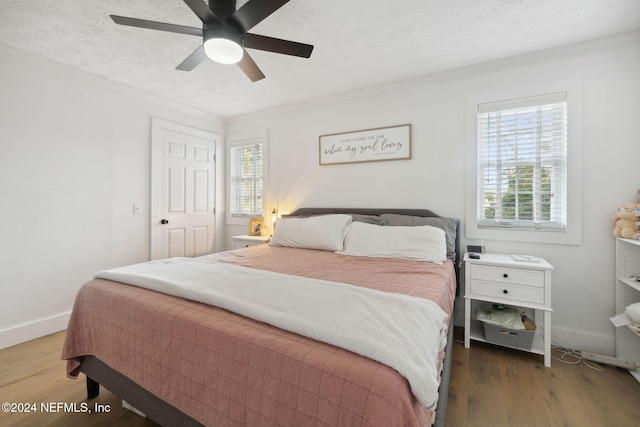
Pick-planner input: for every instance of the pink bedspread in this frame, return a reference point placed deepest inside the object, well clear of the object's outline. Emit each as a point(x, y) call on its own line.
point(224, 369)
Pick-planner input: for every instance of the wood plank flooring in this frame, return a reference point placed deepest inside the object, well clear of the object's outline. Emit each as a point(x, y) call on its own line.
point(490, 387)
point(34, 373)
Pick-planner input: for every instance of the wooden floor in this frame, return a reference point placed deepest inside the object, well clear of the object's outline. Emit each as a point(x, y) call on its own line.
point(490, 387)
point(493, 386)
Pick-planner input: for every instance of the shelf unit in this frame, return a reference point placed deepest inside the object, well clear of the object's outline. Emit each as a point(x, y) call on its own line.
point(627, 292)
point(537, 347)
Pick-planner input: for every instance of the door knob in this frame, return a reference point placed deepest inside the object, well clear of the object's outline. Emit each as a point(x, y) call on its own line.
point(164, 221)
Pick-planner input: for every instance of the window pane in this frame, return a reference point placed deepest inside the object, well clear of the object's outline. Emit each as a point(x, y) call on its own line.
point(246, 186)
point(522, 159)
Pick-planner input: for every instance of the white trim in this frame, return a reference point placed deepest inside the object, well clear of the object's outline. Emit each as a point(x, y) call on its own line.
point(573, 234)
point(595, 45)
point(583, 340)
point(87, 77)
point(37, 329)
point(244, 139)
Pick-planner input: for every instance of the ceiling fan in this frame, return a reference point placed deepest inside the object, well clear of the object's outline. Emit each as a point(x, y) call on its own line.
point(225, 33)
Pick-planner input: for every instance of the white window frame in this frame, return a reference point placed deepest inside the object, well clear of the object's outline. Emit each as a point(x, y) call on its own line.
point(238, 141)
point(572, 233)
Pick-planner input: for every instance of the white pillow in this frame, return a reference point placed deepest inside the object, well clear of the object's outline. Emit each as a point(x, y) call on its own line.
point(420, 243)
point(325, 232)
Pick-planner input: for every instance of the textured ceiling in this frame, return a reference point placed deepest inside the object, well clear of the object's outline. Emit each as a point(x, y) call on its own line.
point(358, 43)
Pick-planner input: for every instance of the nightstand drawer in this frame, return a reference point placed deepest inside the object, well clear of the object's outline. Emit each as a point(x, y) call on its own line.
point(239, 242)
point(529, 294)
point(507, 275)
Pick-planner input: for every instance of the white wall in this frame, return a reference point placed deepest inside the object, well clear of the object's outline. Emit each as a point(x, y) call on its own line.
point(74, 158)
point(583, 281)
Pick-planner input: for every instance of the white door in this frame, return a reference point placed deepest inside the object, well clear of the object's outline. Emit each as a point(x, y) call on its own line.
point(182, 190)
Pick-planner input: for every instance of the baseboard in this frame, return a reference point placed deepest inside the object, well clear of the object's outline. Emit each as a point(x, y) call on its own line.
point(583, 340)
point(29, 331)
point(569, 338)
point(563, 337)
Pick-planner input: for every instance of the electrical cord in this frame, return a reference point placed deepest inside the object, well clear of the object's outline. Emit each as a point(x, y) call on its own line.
point(576, 358)
point(568, 356)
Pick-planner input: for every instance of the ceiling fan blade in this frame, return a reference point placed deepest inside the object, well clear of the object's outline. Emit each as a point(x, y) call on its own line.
point(250, 68)
point(253, 12)
point(201, 9)
point(153, 25)
point(193, 60)
point(270, 44)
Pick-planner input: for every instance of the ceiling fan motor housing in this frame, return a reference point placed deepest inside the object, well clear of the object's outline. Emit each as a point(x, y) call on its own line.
point(214, 31)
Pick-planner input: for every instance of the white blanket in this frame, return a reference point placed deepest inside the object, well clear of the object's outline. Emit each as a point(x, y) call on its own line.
point(400, 331)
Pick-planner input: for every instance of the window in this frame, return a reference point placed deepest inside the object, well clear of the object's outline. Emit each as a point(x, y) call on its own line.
point(523, 181)
point(246, 177)
point(522, 163)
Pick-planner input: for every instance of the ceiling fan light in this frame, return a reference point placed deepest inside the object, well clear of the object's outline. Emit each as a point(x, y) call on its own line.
point(223, 50)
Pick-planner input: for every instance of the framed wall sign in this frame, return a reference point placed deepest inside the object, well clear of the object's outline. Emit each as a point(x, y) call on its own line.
point(368, 145)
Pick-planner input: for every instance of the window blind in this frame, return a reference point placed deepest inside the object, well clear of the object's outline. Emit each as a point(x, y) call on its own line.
point(246, 175)
point(522, 163)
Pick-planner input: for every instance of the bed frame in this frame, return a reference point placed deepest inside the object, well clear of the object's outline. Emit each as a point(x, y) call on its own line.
point(98, 372)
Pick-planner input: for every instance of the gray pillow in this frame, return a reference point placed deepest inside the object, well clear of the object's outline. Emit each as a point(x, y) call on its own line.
point(368, 219)
point(449, 225)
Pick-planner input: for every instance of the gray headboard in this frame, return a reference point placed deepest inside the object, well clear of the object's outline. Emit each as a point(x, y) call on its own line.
point(303, 212)
point(363, 211)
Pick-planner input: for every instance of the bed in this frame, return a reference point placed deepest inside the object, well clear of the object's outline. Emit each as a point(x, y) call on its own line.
point(182, 361)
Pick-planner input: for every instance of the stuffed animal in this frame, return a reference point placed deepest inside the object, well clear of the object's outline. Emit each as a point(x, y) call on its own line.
point(627, 221)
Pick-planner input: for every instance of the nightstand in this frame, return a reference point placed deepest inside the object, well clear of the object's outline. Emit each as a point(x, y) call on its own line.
point(500, 279)
point(245, 241)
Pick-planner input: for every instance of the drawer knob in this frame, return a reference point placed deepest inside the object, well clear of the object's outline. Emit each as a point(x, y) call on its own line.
point(505, 291)
point(505, 275)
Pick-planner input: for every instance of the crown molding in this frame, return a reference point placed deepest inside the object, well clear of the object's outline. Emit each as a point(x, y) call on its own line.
point(594, 45)
point(40, 63)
